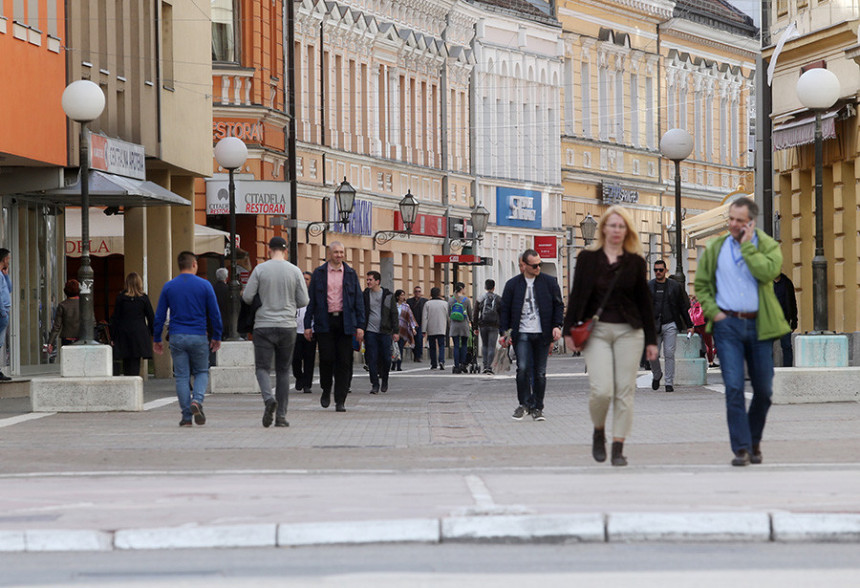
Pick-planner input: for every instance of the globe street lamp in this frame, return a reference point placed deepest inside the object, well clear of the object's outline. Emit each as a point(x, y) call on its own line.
point(83, 102)
point(231, 153)
point(818, 89)
point(677, 144)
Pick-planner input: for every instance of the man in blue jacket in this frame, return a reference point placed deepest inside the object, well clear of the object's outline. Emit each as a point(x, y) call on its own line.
point(5, 300)
point(192, 305)
point(533, 310)
point(336, 311)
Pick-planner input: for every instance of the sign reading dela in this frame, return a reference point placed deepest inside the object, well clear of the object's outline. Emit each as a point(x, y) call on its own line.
point(518, 208)
point(252, 197)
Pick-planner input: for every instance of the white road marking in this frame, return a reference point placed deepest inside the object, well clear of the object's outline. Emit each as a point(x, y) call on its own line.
point(24, 418)
point(158, 403)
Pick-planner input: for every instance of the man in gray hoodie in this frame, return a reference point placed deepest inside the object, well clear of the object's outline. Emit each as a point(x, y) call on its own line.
point(282, 291)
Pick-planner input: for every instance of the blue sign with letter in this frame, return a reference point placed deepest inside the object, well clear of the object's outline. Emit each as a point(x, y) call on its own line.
point(518, 208)
point(361, 221)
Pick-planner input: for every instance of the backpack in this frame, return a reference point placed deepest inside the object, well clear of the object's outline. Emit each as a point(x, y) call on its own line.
point(490, 311)
point(458, 311)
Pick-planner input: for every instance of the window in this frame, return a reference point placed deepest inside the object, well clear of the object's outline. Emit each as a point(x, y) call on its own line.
point(33, 13)
point(619, 106)
point(709, 127)
point(167, 44)
point(650, 129)
point(697, 123)
point(724, 131)
point(586, 98)
point(671, 105)
point(734, 147)
point(634, 110)
point(223, 31)
point(682, 117)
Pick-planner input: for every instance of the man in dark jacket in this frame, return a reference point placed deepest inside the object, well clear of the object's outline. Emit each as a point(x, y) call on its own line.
point(487, 319)
point(336, 311)
point(416, 304)
point(671, 316)
point(784, 290)
point(533, 310)
point(381, 327)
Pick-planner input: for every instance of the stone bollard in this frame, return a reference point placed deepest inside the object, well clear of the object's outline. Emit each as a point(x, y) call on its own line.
point(234, 372)
point(690, 368)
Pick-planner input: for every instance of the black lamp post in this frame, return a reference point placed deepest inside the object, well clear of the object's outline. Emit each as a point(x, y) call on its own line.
point(480, 217)
point(344, 195)
point(83, 102)
point(231, 154)
point(677, 144)
point(818, 89)
point(588, 227)
point(408, 214)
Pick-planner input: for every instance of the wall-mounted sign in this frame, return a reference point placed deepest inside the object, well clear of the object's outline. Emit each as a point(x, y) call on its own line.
point(117, 157)
point(546, 247)
point(252, 197)
point(248, 131)
point(518, 208)
point(459, 228)
point(615, 194)
point(432, 225)
point(361, 221)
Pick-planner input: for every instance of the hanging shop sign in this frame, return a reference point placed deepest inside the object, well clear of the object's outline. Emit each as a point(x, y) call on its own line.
point(117, 157)
point(252, 197)
point(545, 245)
point(518, 208)
point(431, 225)
point(615, 194)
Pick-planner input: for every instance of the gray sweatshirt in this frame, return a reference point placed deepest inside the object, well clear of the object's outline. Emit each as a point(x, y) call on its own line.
point(282, 290)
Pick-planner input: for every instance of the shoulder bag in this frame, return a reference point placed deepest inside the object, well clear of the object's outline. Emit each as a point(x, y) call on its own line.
point(581, 331)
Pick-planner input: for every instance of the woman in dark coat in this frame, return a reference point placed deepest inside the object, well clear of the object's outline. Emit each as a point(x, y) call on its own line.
point(131, 326)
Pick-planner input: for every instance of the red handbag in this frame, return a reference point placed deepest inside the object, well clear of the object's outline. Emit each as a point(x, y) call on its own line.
point(581, 331)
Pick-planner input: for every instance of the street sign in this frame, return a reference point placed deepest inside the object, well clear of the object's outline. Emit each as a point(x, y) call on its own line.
point(463, 259)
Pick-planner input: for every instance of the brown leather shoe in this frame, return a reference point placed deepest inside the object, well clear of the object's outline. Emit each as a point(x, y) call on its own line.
point(756, 454)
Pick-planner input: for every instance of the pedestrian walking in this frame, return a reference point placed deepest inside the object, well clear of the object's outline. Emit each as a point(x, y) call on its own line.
point(192, 305)
point(282, 291)
point(435, 321)
point(698, 317)
point(610, 281)
point(784, 290)
point(533, 310)
point(304, 353)
point(671, 316)
point(460, 314)
point(734, 283)
point(67, 317)
point(336, 311)
point(131, 325)
point(487, 318)
point(407, 327)
point(5, 301)
point(222, 292)
point(416, 305)
point(382, 328)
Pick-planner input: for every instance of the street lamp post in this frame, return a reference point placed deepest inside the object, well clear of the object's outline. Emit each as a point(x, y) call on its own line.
point(588, 227)
point(231, 153)
point(677, 144)
point(408, 214)
point(83, 102)
point(344, 195)
point(818, 89)
point(479, 218)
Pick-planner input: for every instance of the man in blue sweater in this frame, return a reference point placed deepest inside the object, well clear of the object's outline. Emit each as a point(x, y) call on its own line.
point(193, 307)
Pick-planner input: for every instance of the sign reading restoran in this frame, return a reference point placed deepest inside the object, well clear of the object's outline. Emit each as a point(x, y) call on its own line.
point(252, 197)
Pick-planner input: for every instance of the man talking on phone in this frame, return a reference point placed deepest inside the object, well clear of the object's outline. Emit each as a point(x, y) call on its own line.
point(734, 284)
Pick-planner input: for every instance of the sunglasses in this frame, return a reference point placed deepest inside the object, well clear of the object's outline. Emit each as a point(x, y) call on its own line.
point(535, 265)
point(659, 269)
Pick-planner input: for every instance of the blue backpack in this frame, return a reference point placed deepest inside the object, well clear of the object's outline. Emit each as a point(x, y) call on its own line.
point(458, 311)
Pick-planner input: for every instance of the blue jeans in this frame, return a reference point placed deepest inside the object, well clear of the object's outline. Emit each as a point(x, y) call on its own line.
point(737, 341)
point(418, 350)
point(460, 344)
point(190, 357)
point(377, 354)
point(532, 354)
point(436, 344)
point(787, 351)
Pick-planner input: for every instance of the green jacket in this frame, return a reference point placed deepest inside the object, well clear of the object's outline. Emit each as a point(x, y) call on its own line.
point(764, 263)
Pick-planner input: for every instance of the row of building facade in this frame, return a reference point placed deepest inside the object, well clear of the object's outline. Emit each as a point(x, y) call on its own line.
point(542, 112)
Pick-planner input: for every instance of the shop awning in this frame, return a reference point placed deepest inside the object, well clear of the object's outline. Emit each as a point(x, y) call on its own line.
point(711, 222)
point(801, 131)
point(106, 235)
point(112, 190)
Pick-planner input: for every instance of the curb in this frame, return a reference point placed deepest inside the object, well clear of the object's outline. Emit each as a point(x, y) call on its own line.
point(627, 527)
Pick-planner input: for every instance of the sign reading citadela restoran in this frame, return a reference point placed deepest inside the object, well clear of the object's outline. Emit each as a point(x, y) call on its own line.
point(252, 197)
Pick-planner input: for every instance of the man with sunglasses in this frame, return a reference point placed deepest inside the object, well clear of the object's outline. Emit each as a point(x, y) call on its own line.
point(533, 310)
point(671, 315)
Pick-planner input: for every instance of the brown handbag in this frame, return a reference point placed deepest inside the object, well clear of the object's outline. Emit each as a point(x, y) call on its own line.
point(581, 331)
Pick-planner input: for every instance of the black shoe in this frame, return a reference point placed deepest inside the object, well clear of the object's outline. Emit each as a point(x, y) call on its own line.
point(756, 454)
point(281, 422)
point(184, 423)
point(325, 399)
point(742, 458)
point(537, 414)
point(670, 388)
point(456, 370)
point(655, 383)
point(598, 445)
point(269, 413)
point(520, 412)
point(4, 377)
point(374, 390)
point(339, 407)
point(384, 388)
point(197, 411)
point(617, 458)
point(307, 390)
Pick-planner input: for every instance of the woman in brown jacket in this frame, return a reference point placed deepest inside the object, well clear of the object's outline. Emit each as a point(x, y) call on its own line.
point(67, 318)
point(613, 351)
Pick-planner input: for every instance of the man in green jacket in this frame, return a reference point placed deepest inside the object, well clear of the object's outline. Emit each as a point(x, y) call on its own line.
point(734, 284)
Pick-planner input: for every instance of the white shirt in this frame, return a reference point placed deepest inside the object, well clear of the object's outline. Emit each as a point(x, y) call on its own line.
point(530, 317)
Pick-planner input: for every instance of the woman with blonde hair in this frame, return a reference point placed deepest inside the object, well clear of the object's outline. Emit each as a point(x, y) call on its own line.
point(611, 282)
point(131, 326)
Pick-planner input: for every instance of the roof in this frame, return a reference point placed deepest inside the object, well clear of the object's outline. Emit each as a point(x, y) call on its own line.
point(532, 9)
point(719, 14)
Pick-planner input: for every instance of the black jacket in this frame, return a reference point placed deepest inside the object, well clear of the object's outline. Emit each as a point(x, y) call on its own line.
point(547, 296)
point(784, 290)
point(389, 323)
point(678, 304)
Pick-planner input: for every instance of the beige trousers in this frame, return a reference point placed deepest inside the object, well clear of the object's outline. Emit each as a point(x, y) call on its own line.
point(612, 356)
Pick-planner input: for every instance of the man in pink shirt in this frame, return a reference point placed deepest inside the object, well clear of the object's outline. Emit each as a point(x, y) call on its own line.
point(336, 311)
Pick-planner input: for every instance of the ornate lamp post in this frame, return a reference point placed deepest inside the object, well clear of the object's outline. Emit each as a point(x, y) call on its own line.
point(588, 227)
point(231, 154)
point(344, 195)
point(479, 217)
point(83, 102)
point(818, 89)
point(677, 144)
point(408, 213)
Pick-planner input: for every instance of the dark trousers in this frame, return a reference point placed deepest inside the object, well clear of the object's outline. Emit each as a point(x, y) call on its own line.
point(377, 355)
point(304, 358)
point(489, 335)
point(335, 359)
point(437, 349)
point(532, 355)
point(787, 351)
point(274, 343)
point(418, 350)
point(131, 366)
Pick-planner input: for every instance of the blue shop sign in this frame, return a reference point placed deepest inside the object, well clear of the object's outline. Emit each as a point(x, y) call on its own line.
point(518, 208)
point(361, 221)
